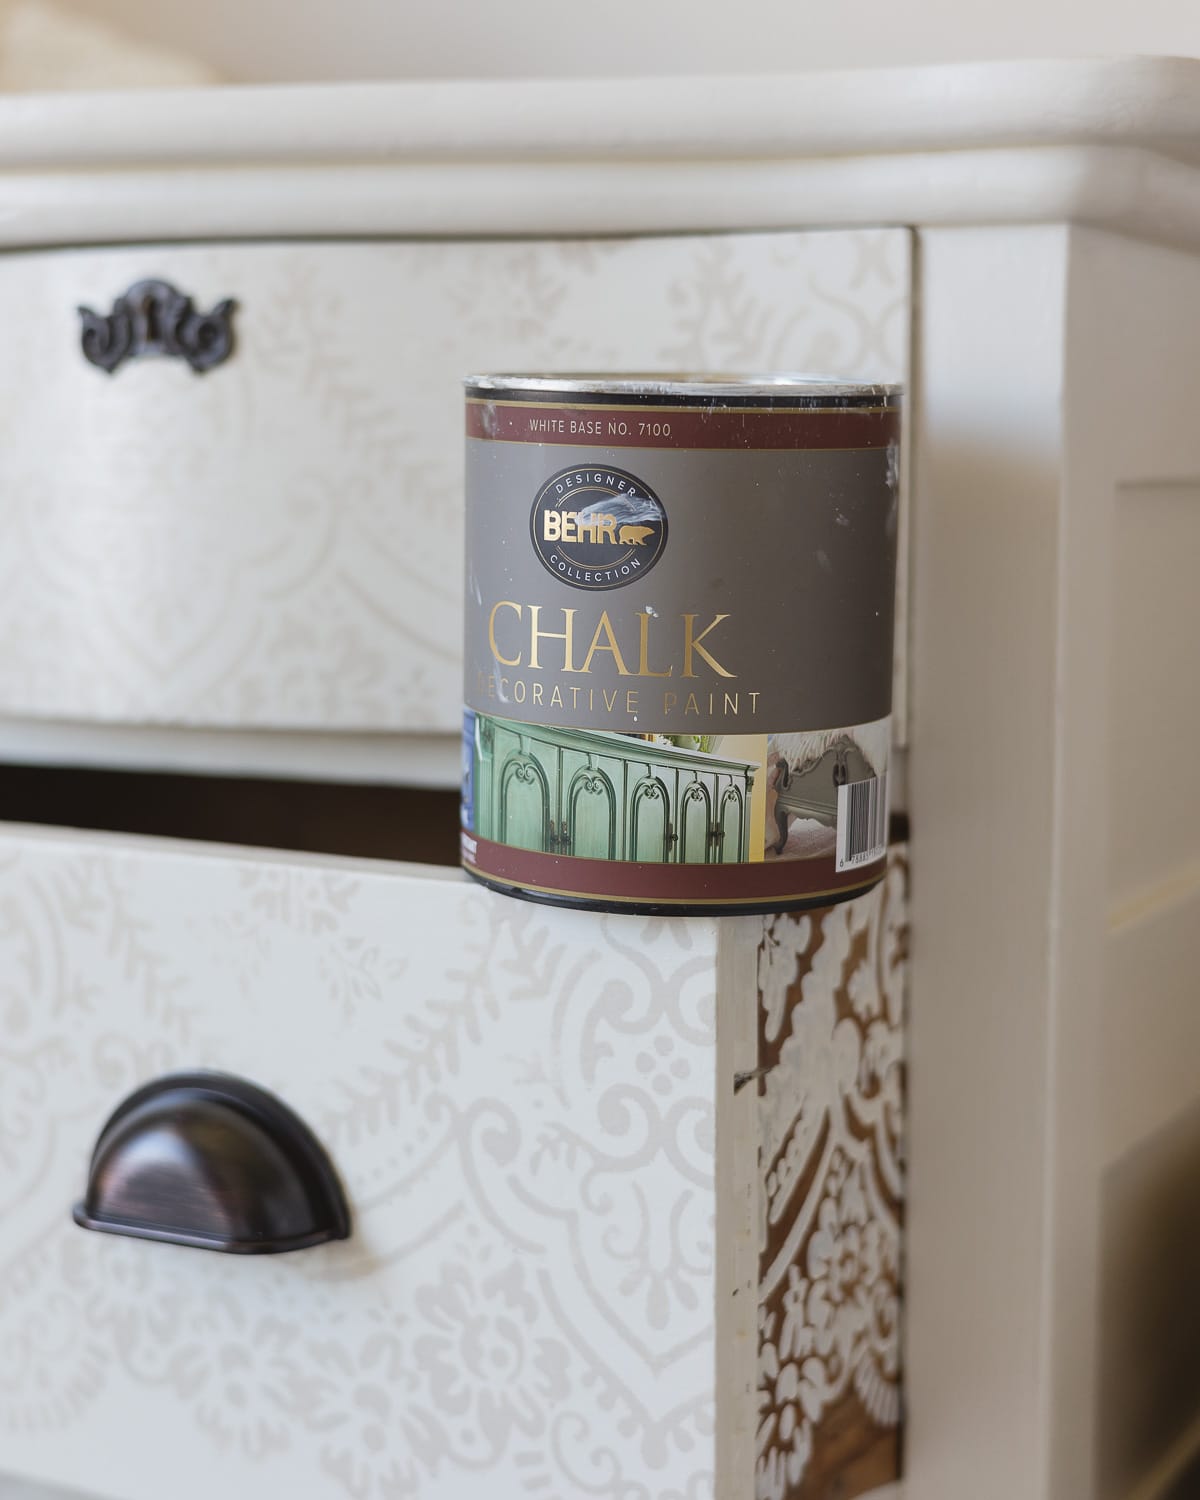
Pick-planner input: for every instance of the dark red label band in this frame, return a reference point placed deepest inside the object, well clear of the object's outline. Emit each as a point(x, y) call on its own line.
point(762, 883)
point(683, 427)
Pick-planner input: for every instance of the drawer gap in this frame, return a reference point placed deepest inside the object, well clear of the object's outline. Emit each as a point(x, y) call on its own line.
point(375, 822)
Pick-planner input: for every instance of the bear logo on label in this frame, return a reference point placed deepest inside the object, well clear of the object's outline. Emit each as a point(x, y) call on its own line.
point(597, 527)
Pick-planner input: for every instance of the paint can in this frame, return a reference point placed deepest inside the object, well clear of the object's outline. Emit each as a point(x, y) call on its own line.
point(678, 643)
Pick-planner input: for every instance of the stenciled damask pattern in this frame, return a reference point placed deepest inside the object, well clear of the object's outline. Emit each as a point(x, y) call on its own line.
point(523, 1106)
point(279, 543)
point(831, 1138)
point(521, 1103)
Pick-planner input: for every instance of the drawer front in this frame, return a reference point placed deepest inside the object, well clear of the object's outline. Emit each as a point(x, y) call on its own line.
point(276, 543)
point(618, 1230)
point(521, 1104)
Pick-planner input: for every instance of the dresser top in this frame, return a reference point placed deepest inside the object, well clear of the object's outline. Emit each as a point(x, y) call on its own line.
point(1115, 143)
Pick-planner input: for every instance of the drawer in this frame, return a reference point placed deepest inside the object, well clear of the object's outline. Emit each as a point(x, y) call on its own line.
point(619, 1226)
point(275, 544)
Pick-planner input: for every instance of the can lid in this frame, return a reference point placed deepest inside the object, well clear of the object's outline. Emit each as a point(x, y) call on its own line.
point(687, 388)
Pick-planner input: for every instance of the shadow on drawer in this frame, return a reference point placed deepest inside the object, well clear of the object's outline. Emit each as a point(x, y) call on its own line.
point(1149, 1392)
point(379, 822)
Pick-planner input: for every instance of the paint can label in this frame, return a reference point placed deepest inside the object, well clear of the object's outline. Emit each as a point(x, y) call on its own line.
point(678, 645)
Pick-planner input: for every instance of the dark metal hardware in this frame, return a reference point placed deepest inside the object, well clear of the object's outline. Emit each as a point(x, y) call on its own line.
point(154, 318)
point(212, 1161)
point(740, 1080)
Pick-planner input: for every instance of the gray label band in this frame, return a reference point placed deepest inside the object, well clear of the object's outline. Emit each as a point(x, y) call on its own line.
point(770, 604)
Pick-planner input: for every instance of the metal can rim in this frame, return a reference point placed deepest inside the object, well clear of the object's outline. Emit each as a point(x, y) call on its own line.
point(687, 389)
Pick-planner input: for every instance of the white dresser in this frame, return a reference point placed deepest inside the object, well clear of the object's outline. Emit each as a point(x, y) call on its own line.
point(631, 1211)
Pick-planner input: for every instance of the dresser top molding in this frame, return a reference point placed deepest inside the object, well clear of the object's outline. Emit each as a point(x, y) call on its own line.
point(1109, 143)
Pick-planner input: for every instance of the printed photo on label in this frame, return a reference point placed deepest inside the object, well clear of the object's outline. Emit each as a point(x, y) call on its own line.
point(805, 774)
point(682, 799)
point(595, 794)
point(807, 806)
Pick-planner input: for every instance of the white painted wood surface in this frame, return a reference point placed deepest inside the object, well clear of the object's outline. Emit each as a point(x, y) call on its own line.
point(1126, 189)
point(1151, 102)
point(564, 1231)
point(433, 760)
point(1130, 931)
point(526, 1106)
point(985, 564)
point(1055, 1054)
point(1106, 143)
point(26, 1489)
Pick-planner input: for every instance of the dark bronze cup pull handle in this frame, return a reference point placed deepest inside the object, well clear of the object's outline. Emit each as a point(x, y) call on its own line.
point(154, 318)
point(209, 1160)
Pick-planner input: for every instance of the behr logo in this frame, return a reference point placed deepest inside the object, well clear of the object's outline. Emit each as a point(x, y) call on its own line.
point(597, 528)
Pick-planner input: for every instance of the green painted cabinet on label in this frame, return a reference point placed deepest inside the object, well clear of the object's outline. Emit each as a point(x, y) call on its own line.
point(605, 796)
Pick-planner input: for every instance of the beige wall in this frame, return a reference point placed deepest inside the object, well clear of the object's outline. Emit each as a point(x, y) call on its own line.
point(309, 39)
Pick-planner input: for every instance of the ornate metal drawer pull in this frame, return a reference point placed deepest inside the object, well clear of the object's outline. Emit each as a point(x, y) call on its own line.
point(212, 1161)
point(153, 318)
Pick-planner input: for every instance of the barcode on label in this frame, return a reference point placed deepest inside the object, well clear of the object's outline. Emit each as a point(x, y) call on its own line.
point(862, 822)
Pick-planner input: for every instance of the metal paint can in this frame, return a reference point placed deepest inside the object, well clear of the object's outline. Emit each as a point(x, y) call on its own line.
point(678, 646)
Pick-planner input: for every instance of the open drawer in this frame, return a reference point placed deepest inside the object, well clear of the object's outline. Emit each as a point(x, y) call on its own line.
point(618, 1227)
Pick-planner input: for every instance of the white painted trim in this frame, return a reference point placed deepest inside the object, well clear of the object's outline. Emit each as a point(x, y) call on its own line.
point(1122, 188)
point(987, 480)
point(1153, 102)
point(92, 840)
point(1115, 145)
point(423, 760)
